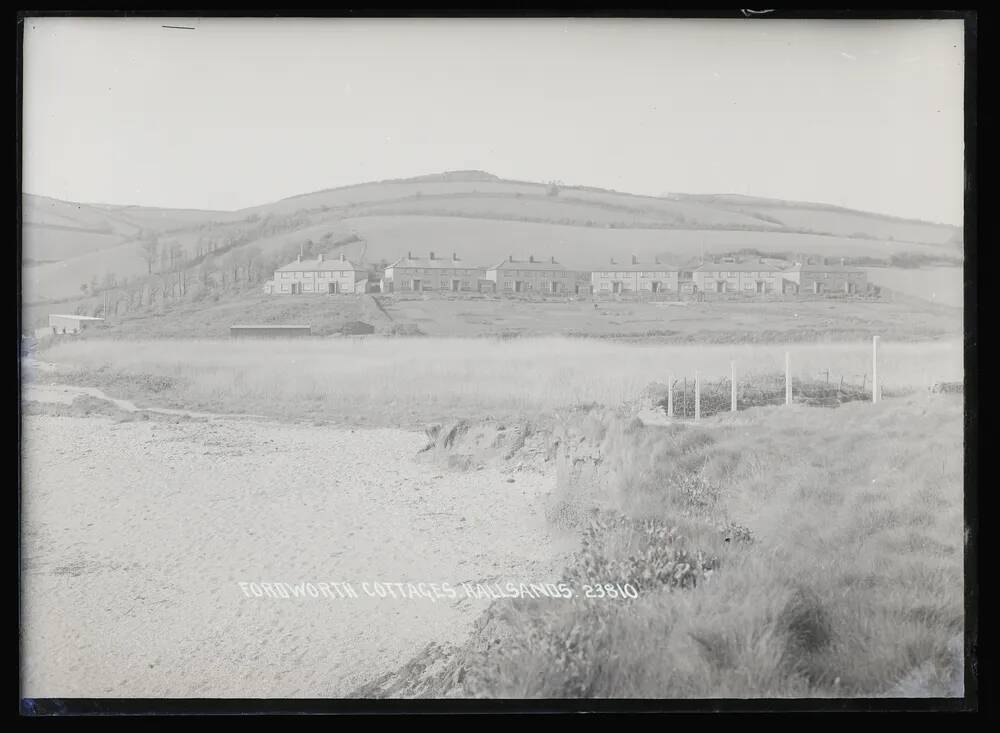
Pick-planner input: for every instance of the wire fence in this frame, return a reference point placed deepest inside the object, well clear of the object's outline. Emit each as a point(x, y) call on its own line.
point(692, 396)
point(715, 396)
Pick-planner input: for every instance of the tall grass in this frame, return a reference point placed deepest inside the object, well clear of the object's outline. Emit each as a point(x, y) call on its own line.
point(459, 377)
point(851, 582)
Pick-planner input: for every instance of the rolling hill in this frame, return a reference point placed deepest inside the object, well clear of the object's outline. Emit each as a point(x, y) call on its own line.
point(481, 217)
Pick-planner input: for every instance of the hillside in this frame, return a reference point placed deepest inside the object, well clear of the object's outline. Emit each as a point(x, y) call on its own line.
point(480, 216)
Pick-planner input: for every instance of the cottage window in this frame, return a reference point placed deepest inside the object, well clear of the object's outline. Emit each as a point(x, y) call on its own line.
point(508, 284)
point(286, 274)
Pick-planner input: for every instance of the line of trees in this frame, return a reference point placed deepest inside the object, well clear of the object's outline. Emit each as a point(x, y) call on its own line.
point(226, 265)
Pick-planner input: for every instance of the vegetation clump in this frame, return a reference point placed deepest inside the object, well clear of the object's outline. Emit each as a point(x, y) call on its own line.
point(657, 557)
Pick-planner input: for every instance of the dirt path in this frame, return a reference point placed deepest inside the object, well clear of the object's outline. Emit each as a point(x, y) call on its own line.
point(136, 535)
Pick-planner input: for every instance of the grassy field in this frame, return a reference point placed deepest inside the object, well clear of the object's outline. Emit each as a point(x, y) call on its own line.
point(487, 241)
point(707, 322)
point(404, 381)
point(900, 319)
point(944, 285)
point(210, 318)
point(781, 554)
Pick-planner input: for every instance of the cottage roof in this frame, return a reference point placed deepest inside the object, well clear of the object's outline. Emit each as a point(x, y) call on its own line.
point(541, 266)
point(320, 265)
point(800, 266)
point(438, 263)
point(637, 267)
point(736, 267)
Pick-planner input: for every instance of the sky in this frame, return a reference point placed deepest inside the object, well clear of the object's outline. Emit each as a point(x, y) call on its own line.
point(241, 112)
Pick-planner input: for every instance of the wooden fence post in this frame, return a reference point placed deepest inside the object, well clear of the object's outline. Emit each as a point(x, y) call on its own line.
point(875, 384)
point(697, 396)
point(670, 396)
point(732, 386)
point(788, 378)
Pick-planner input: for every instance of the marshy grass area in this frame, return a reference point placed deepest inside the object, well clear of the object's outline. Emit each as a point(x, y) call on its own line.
point(776, 554)
point(408, 382)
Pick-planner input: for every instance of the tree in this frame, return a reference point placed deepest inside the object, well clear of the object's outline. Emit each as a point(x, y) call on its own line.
point(251, 256)
point(553, 189)
point(231, 264)
point(176, 254)
point(205, 271)
point(150, 248)
point(83, 287)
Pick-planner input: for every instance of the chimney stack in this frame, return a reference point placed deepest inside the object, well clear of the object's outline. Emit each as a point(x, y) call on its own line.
point(319, 257)
point(635, 260)
point(552, 260)
point(656, 260)
point(510, 258)
point(612, 260)
point(298, 257)
point(454, 257)
point(531, 258)
point(842, 262)
point(432, 255)
point(409, 255)
point(342, 258)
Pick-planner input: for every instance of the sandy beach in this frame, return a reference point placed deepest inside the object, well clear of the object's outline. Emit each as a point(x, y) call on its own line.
point(136, 536)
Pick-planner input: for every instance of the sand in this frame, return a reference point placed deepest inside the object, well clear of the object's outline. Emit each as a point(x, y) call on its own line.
point(136, 535)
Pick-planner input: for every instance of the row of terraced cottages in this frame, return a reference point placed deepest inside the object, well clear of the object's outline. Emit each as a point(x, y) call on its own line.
point(417, 274)
point(547, 277)
point(729, 275)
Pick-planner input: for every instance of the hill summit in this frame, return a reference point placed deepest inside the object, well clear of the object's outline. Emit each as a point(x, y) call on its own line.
point(452, 177)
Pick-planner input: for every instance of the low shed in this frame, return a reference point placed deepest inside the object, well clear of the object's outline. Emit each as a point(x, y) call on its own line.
point(269, 331)
point(66, 323)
